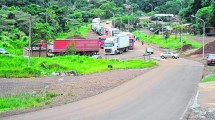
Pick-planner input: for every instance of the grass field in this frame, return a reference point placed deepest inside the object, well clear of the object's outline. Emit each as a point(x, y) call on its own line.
point(170, 43)
point(23, 101)
point(208, 79)
point(12, 66)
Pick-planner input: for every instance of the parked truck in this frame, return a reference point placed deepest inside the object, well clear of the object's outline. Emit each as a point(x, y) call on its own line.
point(210, 31)
point(104, 30)
point(117, 44)
point(95, 23)
point(102, 40)
point(81, 46)
point(98, 30)
point(131, 40)
point(111, 32)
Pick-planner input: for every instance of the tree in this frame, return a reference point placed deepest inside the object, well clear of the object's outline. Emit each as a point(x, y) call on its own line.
point(107, 8)
point(171, 7)
point(41, 31)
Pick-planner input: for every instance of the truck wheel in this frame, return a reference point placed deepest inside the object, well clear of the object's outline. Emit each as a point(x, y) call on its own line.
point(162, 57)
point(120, 51)
point(92, 53)
point(50, 50)
point(115, 52)
point(126, 49)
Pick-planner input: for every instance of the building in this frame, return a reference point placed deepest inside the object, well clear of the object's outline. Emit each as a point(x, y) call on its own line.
point(35, 52)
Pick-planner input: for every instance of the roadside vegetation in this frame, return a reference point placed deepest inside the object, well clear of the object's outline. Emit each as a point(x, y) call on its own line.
point(169, 43)
point(23, 101)
point(208, 79)
point(13, 66)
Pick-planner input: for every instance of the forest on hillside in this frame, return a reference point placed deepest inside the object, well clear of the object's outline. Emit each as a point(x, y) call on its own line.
point(53, 18)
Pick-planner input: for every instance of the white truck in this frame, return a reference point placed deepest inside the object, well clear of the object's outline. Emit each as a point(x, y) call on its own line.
point(95, 23)
point(113, 31)
point(117, 44)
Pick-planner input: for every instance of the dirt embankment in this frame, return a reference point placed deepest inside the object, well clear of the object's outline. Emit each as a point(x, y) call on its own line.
point(209, 48)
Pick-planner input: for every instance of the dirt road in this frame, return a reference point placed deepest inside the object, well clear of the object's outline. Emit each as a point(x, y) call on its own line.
point(161, 94)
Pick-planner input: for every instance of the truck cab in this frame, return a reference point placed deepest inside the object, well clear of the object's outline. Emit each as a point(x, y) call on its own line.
point(110, 46)
point(104, 30)
point(95, 23)
point(116, 44)
point(113, 31)
point(102, 40)
point(98, 30)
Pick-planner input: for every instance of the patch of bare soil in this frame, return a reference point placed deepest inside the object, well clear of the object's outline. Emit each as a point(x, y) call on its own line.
point(209, 48)
point(76, 37)
point(186, 47)
point(71, 88)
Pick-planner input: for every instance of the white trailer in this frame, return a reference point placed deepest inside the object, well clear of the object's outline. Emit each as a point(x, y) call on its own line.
point(96, 20)
point(117, 44)
point(95, 23)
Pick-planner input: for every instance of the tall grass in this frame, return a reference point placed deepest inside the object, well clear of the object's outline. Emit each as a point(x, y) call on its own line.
point(13, 66)
point(170, 43)
point(25, 101)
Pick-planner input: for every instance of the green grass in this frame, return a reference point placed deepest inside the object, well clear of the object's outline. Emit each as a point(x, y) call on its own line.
point(23, 101)
point(208, 79)
point(170, 43)
point(13, 66)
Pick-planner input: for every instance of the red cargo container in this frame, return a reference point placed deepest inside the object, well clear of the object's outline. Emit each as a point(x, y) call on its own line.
point(82, 46)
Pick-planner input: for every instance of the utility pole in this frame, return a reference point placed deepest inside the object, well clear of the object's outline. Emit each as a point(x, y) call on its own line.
point(162, 27)
point(203, 36)
point(128, 24)
point(30, 39)
point(45, 38)
point(181, 31)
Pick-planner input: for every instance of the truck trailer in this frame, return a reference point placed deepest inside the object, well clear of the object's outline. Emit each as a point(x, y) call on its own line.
point(95, 23)
point(117, 44)
point(81, 46)
point(131, 40)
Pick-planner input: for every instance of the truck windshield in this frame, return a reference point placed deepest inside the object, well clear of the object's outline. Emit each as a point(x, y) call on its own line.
point(102, 39)
point(108, 45)
point(130, 40)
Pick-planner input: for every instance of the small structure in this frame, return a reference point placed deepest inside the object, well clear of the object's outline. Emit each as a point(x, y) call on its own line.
point(164, 15)
point(34, 52)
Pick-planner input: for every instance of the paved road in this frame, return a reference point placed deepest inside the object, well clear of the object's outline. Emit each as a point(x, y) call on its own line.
point(161, 94)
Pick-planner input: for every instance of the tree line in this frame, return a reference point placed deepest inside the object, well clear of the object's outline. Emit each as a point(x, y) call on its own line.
point(52, 17)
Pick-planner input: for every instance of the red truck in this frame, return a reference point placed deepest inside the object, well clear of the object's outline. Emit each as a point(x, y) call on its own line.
point(82, 46)
point(102, 40)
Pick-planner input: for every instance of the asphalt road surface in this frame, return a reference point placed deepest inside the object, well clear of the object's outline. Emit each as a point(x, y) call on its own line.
point(161, 94)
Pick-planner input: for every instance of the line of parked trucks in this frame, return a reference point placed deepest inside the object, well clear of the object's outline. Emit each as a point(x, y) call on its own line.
point(111, 40)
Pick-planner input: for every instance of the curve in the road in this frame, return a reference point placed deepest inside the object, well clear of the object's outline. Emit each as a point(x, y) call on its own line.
point(161, 94)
